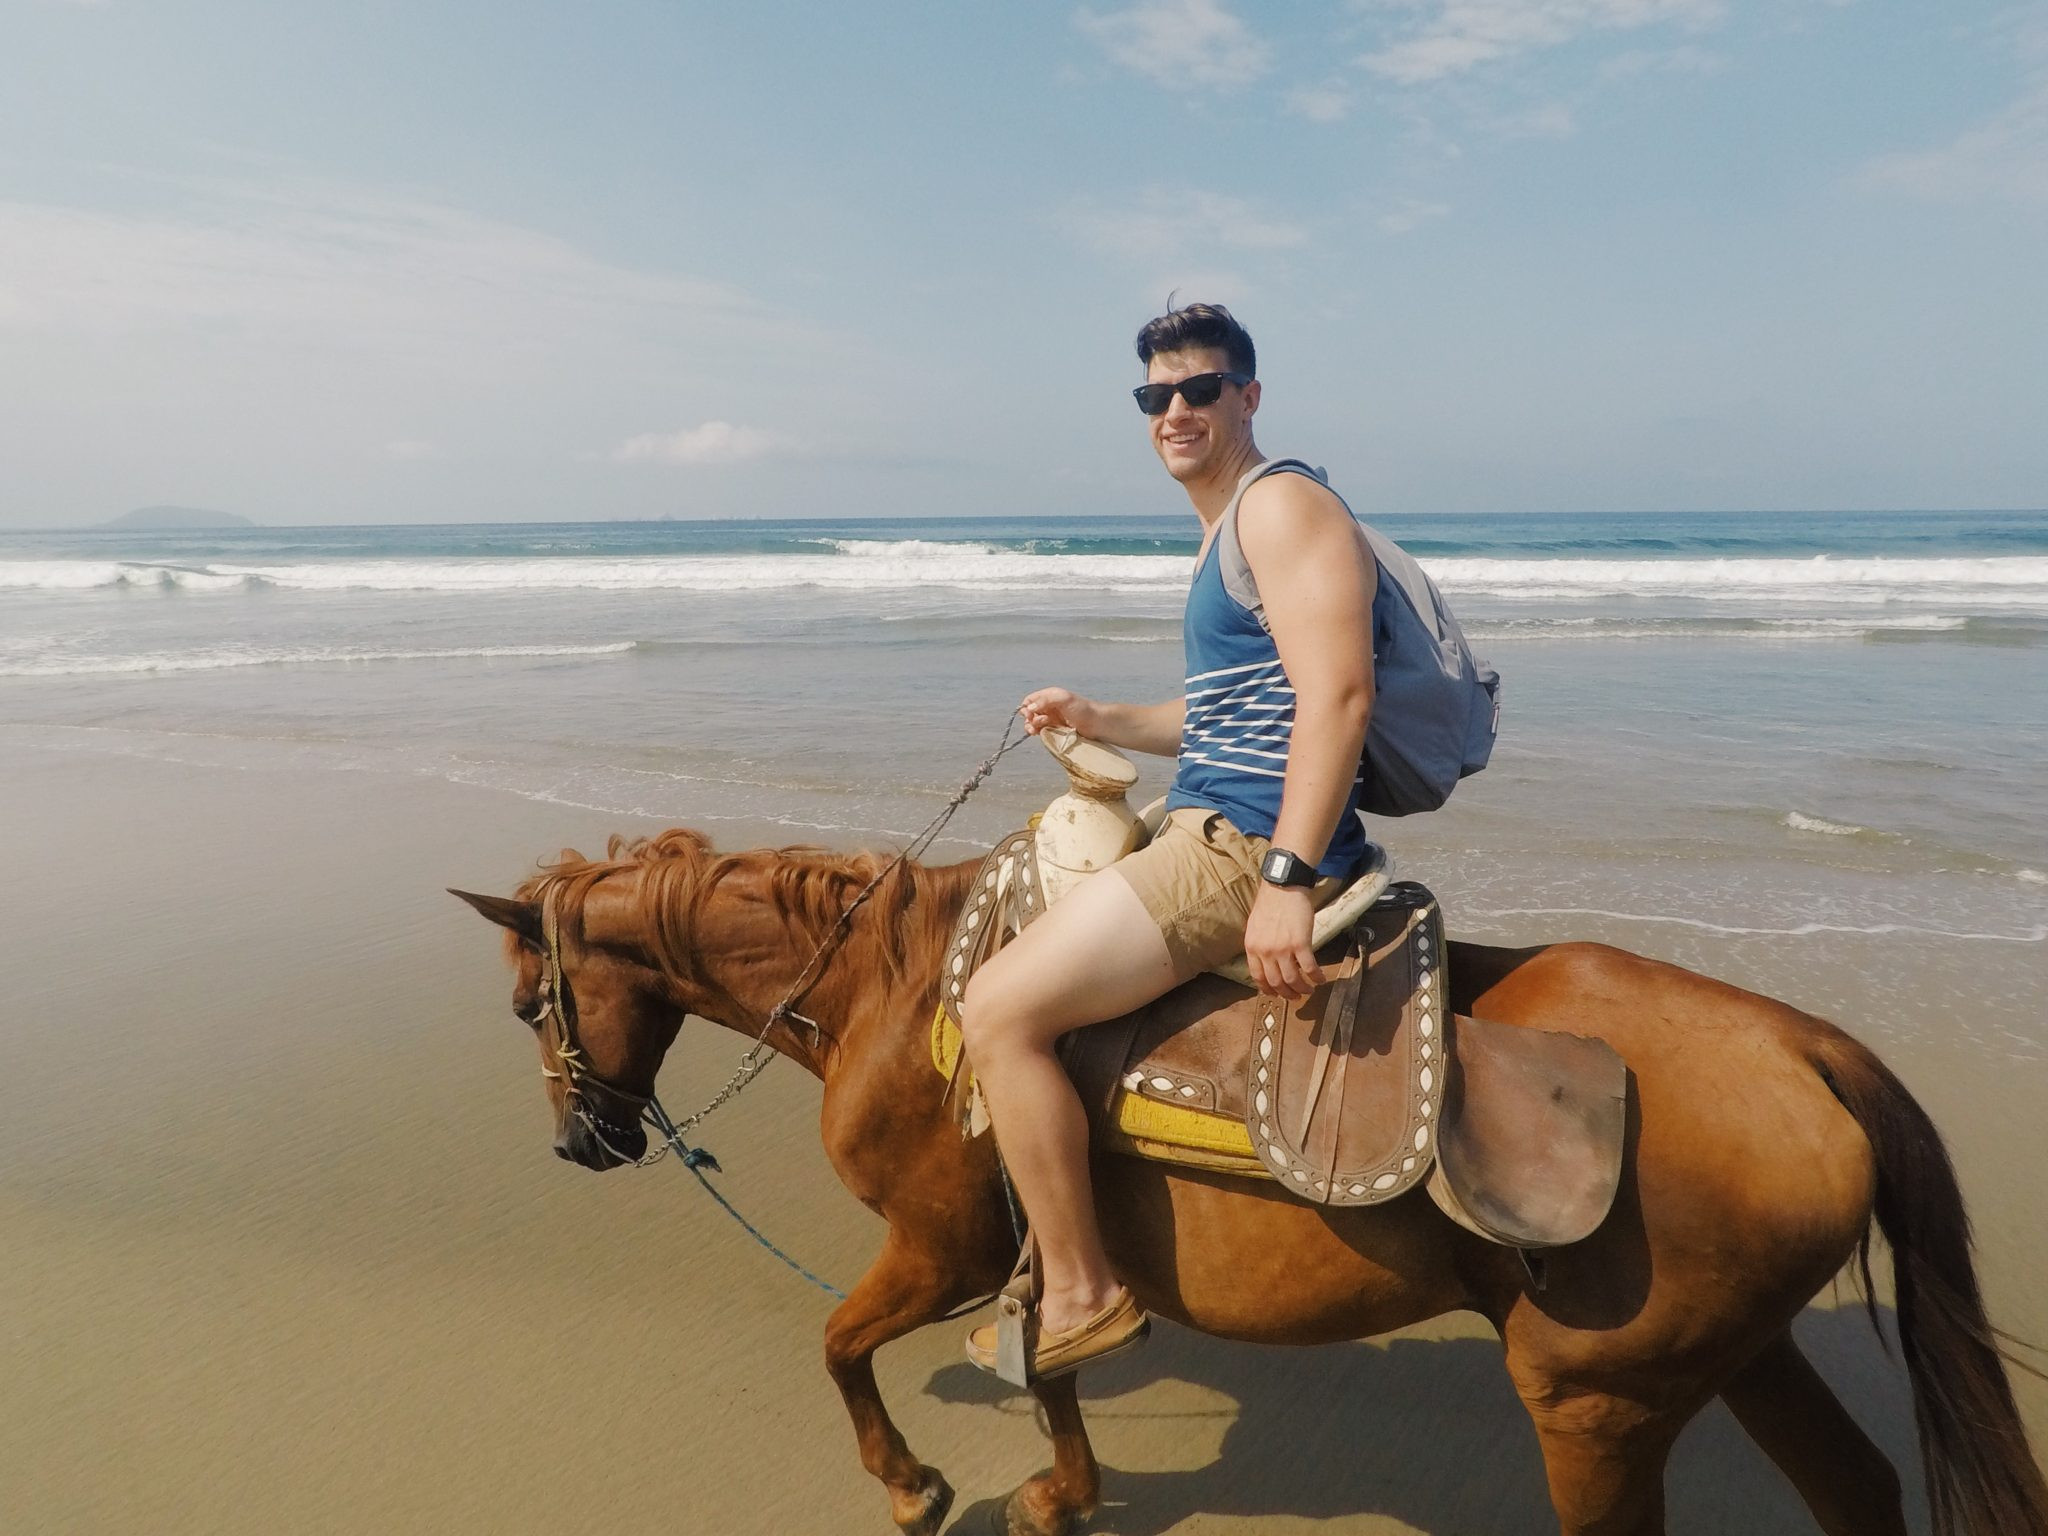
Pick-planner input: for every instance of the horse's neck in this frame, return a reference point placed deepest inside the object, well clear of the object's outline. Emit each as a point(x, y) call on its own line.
point(869, 991)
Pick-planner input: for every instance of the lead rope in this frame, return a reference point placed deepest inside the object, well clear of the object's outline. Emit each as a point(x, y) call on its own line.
point(673, 1132)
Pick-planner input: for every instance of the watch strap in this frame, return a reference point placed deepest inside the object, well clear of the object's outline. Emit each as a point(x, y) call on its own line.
point(1282, 868)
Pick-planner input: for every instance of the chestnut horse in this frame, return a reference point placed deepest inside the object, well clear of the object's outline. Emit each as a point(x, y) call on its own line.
point(1761, 1144)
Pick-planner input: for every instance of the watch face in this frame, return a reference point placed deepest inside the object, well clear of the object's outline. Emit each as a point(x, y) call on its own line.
point(1279, 865)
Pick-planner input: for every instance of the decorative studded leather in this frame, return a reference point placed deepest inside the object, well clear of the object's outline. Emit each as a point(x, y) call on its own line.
point(1341, 1099)
point(1344, 1087)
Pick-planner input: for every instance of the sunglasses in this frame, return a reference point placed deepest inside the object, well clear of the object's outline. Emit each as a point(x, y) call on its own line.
point(1198, 390)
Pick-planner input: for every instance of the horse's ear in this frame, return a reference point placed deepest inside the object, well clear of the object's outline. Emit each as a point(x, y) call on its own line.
point(522, 917)
point(570, 856)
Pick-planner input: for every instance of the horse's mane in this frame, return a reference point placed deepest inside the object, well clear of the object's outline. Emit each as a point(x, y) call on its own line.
point(679, 873)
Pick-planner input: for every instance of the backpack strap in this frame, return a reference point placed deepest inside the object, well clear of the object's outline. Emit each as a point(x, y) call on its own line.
point(1230, 561)
point(1391, 559)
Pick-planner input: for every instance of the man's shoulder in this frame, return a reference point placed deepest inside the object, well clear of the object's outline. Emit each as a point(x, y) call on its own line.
point(1288, 510)
point(1290, 492)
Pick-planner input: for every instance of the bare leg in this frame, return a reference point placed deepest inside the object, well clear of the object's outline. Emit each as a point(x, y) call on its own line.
point(1799, 1423)
point(902, 1291)
point(1094, 956)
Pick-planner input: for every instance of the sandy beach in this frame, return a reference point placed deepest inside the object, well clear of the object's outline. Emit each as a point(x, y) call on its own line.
point(288, 1249)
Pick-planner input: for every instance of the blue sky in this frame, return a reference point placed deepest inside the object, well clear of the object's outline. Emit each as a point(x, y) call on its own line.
point(467, 261)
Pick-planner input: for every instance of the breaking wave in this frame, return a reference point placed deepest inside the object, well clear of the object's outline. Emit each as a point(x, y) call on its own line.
point(225, 657)
point(2017, 582)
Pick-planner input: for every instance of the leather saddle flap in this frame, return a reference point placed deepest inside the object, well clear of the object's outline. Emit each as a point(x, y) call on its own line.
point(1533, 1133)
point(1337, 1093)
point(1343, 1084)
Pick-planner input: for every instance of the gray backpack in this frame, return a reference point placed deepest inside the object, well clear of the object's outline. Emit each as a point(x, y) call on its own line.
point(1436, 706)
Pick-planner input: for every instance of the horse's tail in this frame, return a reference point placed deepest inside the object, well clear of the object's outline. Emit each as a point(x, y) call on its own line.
point(1981, 1475)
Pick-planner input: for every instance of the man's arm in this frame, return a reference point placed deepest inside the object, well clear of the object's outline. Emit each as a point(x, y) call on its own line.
point(1153, 728)
point(1316, 579)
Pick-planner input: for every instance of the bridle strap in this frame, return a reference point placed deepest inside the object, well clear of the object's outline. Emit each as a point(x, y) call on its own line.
point(559, 1003)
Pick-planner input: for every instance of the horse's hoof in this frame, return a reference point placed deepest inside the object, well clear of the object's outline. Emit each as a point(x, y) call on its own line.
point(1019, 1517)
point(934, 1503)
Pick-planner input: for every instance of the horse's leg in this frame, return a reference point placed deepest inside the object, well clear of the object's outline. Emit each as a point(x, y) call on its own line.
point(1847, 1482)
point(1054, 1502)
point(902, 1291)
point(1604, 1457)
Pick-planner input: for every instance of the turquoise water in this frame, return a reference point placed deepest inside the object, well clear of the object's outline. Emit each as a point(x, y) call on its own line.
point(1794, 725)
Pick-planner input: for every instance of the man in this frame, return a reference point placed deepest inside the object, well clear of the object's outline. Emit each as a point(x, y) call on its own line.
point(1269, 734)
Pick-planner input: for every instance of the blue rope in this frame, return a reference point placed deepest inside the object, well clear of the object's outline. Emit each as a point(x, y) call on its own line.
point(696, 1160)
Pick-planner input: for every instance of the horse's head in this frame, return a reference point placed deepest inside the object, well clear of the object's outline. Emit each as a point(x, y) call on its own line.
point(601, 1013)
point(610, 955)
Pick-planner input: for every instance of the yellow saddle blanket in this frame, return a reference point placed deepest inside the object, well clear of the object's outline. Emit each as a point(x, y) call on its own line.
point(1140, 1127)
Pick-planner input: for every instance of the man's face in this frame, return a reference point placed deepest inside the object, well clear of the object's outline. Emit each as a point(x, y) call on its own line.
point(1193, 442)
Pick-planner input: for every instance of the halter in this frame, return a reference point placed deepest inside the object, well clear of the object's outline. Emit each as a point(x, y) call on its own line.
point(580, 1084)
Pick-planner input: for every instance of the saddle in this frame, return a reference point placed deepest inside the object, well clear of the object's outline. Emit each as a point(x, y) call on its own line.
point(1352, 1096)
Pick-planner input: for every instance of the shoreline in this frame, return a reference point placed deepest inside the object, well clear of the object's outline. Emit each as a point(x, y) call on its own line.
point(288, 1247)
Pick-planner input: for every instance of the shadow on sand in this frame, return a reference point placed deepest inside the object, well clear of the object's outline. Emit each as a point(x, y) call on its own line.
point(1427, 1432)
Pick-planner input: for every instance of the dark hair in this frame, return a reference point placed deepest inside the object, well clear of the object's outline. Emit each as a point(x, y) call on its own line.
point(1199, 325)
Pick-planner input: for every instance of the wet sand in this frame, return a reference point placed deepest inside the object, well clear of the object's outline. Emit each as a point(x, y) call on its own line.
point(287, 1249)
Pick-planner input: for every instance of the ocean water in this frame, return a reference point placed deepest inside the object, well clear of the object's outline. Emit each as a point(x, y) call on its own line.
point(1715, 728)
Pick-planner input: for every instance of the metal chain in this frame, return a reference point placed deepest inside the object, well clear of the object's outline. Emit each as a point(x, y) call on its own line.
point(759, 1054)
point(696, 1159)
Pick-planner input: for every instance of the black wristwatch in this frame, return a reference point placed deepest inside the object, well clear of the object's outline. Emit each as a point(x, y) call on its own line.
point(1279, 867)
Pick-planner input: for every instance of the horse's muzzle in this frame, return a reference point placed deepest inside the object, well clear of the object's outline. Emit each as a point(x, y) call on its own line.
point(580, 1145)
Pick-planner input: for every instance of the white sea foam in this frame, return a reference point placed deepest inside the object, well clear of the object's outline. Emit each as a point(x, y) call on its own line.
point(224, 657)
point(863, 564)
point(85, 575)
point(2035, 935)
point(909, 564)
point(1801, 823)
point(2006, 580)
point(2030, 876)
point(1599, 627)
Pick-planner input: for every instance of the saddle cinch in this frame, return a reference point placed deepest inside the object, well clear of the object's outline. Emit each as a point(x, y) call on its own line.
point(1350, 1097)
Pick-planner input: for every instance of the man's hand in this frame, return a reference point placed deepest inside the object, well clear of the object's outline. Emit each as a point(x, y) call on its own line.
point(1061, 706)
point(1277, 950)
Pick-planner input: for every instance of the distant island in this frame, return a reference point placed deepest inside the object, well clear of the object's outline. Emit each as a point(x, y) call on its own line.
point(177, 517)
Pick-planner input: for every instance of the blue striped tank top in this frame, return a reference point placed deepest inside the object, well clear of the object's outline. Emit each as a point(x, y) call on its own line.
point(1240, 719)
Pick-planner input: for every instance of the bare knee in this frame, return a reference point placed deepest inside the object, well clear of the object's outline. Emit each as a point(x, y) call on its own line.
point(992, 1023)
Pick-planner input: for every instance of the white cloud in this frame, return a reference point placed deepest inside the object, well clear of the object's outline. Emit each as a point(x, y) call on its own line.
point(1686, 59)
point(339, 270)
point(1411, 216)
point(407, 450)
point(2004, 159)
point(1175, 226)
point(1320, 103)
point(715, 442)
point(1180, 44)
point(1554, 121)
point(1459, 35)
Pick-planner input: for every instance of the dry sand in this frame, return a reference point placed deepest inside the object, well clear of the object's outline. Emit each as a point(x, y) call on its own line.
point(287, 1250)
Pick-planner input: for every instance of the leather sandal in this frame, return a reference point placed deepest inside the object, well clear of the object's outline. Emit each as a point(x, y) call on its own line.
point(1117, 1329)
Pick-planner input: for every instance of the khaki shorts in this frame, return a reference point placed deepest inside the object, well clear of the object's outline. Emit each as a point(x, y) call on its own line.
point(1197, 879)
